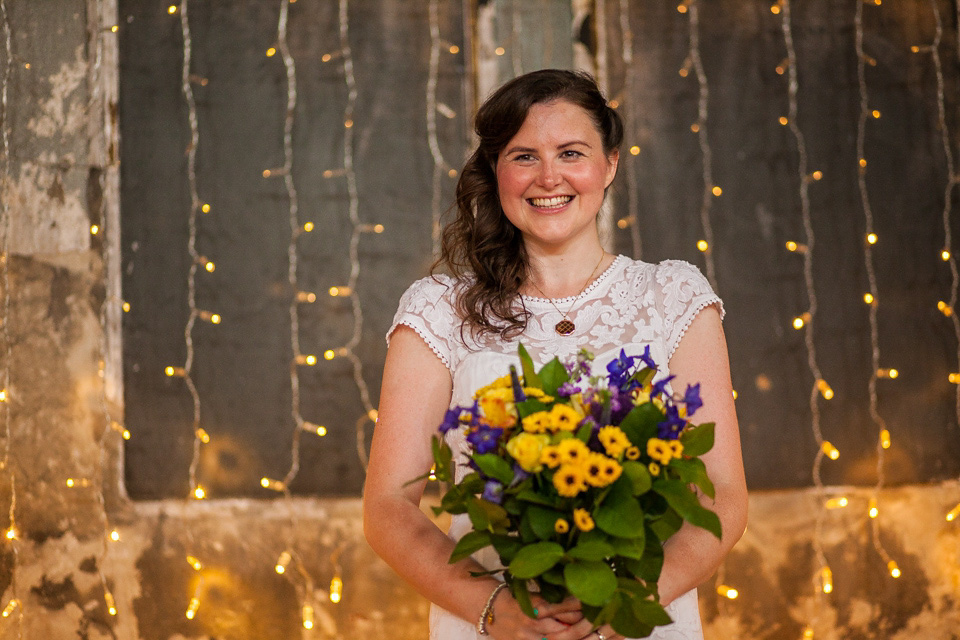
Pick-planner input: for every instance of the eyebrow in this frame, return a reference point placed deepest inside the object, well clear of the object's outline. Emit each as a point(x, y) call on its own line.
point(531, 150)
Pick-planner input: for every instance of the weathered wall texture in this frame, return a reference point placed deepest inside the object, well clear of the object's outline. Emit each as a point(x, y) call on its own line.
point(58, 425)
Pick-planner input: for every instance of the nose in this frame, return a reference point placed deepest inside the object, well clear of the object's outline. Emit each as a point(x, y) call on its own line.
point(549, 176)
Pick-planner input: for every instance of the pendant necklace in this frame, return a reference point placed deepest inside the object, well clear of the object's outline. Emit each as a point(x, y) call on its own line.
point(565, 327)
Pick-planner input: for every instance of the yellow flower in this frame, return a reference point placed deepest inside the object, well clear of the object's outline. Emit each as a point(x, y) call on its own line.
point(497, 407)
point(594, 466)
point(581, 517)
point(633, 453)
point(538, 422)
point(525, 449)
point(641, 396)
point(561, 526)
point(572, 451)
point(611, 471)
point(676, 448)
point(613, 440)
point(499, 383)
point(654, 468)
point(569, 481)
point(659, 450)
point(550, 456)
point(537, 394)
point(565, 417)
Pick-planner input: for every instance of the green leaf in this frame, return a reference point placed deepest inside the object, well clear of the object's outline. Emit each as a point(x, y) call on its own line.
point(641, 424)
point(650, 612)
point(520, 593)
point(639, 476)
point(697, 440)
point(487, 515)
point(629, 547)
point(534, 559)
point(553, 576)
point(626, 623)
point(530, 377)
point(693, 471)
point(494, 466)
point(591, 550)
point(529, 495)
point(542, 521)
point(529, 407)
point(620, 513)
point(442, 459)
point(552, 592)
point(552, 375)
point(506, 547)
point(592, 582)
point(679, 496)
point(666, 525)
point(468, 544)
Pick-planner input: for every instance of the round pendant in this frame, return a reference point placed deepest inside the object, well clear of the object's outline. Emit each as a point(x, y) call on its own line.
point(565, 327)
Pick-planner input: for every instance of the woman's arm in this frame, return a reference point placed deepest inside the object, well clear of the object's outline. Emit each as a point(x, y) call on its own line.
point(415, 394)
point(693, 554)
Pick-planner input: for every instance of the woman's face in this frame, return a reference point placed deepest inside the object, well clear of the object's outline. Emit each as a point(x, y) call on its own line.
point(551, 177)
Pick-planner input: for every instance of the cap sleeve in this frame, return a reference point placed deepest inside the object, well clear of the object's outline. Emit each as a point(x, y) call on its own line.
point(683, 292)
point(427, 308)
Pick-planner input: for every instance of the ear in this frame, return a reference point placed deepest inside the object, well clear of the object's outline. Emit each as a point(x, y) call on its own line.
point(612, 161)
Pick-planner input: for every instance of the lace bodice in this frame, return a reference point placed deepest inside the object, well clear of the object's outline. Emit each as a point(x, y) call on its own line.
point(632, 304)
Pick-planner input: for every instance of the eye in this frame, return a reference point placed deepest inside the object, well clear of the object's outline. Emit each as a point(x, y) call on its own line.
point(523, 157)
point(571, 153)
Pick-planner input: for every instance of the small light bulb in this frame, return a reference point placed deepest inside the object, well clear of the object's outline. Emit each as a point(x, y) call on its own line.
point(454, 49)
point(863, 163)
point(791, 245)
point(695, 127)
point(326, 57)
point(873, 511)
point(306, 296)
point(945, 308)
point(826, 579)
point(319, 429)
point(727, 592)
point(800, 321)
point(623, 223)
point(635, 150)
point(868, 298)
point(872, 238)
point(11, 534)
point(3, 395)
point(282, 562)
point(273, 485)
point(209, 266)
point(682, 7)
point(892, 374)
point(875, 113)
point(348, 124)
point(71, 483)
point(115, 535)
point(272, 51)
point(885, 438)
point(784, 121)
point(329, 354)
point(10, 608)
point(735, 394)
point(205, 208)
point(808, 633)
point(717, 191)
point(115, 28)
point(175, 371)
point(126, 307)
point(894, 569)
point(945, 255)
point(307, 617)
point(194, 562)
point(817, 175)
point(702, 245)
point(336, 589)
point(192, 608)
point(452, 173)
point(339, 291)
point(199, 493)
point(829, 450)
point(954, 378)
point(837, 503)
point(172, 9)
point(111, 605)
point(94, 229)
point(308, 226)
point(953, 514)
point(824, 389)
point(775, 9)
point(202, 435)
point(373, 414)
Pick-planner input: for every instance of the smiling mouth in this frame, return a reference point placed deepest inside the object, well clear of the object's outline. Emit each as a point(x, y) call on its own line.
point(550, 203)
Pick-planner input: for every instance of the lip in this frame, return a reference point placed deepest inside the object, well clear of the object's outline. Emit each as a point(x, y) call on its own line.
point(551, 207)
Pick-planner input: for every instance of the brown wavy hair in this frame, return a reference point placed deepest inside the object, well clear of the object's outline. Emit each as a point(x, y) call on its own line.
point(480, 246)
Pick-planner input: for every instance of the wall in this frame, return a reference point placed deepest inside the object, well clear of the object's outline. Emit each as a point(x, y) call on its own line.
point(58, 412)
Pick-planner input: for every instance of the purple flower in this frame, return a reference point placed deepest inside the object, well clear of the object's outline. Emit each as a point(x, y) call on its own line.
point(518, 395)
point(647, 360)
point(485, 439)
point(619, 369)
point(692, 399)
point(567, 389)
point(493, 491)
point(670, 428)
point(660, 387)
point(519, 475)
point(451, 419)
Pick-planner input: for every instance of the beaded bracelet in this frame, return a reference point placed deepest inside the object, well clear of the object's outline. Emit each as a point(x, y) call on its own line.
point(487, 616)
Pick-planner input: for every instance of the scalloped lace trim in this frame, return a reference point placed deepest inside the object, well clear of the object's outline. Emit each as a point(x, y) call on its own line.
point(586, 292)
point(692, 313)
point(425, 336)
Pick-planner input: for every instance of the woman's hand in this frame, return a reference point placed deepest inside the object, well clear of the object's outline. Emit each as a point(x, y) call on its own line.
point(511, 623)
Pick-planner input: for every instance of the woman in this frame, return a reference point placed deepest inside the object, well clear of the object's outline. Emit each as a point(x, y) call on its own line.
point(527, 264)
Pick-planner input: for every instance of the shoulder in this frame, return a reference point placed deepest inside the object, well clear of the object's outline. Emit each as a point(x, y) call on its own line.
point(669, 271)
point(429, 291)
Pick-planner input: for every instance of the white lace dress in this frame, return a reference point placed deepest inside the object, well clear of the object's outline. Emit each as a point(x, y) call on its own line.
point(632, 304)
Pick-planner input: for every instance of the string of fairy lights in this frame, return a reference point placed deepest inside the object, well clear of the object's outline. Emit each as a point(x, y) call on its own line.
point(10, 535)
point(953, 179)
point(630, 220)
point(440, 166)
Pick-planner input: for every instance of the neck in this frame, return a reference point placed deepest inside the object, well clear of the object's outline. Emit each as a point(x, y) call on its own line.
point(561, 275)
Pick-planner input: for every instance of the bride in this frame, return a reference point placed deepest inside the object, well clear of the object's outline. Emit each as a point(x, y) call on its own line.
point(526, 264)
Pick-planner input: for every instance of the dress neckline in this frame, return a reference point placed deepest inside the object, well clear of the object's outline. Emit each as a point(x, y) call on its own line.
point(593, 286)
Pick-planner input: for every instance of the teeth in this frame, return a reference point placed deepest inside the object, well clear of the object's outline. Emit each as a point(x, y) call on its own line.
point(555, 201)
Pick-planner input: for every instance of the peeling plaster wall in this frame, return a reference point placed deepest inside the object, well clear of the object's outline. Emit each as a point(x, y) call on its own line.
point(57, 422)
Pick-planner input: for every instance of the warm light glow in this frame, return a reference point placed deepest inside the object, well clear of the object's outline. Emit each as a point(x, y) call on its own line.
point(282, 562)
point(784, 121)
point(126, 307)
point(202, 435)
point(717, 191)
point(115, 28)
point(868, 298)
point(800, 321)
point(329, 354)
point(192, 609)
point(340, 291)
point(373, 414)
point(308, 360)
point(623, 223)
point(266, 173)
point(894, 569)
point(873, 511)
point(682, 7)
point(684, 72)
point(727, 592)
point(451, 173)
point(945, 255)
point(808, 633)
point(199, 493)
point(175, 371)
point(945, 308)
point(433, 473)
point(94, 229)
point(795, 247)
point(954, 378)
point(695, 127)
point(10, 608)
point(172, 9)
point(307, 617)
point(499, 51)
point(11, 534)
point(872, 238)
point(308, 226)
point(3, 395)
point(837, 503)
point(702, 245)
point(115, 535)
point(829, 450)
point(775, 9)
point(454, 49)
point(272, 51)
point(915, 49)
point(824, 389)
point(826, 579)
point(875, 113)
point(194, 562)
point(817, 175)
point(205, 208)
point(336, 589)
point(888, 373)
point(634, 150)
point(863, 162)
point(273, 485)
point(735, 394)
point(885, 439)
point(953, 514)
point(306, 296)
point(326, 57)
point(319, 429)
point(209, 266)
point(111, 605)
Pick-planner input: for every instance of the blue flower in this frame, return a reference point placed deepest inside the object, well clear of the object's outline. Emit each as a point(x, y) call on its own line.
point(485, 439)
point(519, 475)
point(647, 360)
point(493, 491)
point(670, 428)
point(619, 369)
point(660, 387)
point(692, 399)
point(518, 394)
point(451, 419)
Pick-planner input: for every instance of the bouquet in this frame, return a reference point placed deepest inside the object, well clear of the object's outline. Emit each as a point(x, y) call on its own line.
point(578, 480)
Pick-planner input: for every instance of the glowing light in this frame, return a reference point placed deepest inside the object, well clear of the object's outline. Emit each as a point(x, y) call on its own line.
point(199, 493)
point(885, 438)
point(623, 223)
point(735, 394)
point(945, 308)
point(172, 9)
point(340, 291)
point(824, 389)
point(817, 175)
point(273, 485)
point(202, 435)
point(319, 429)
point(954, 378)
point(266, 173)
point(454, 49)
point(308, 360)
point(682, 7)
point(875, 113)
point(800, 321)
point(634, 150)
point(10, 608)
point(205, 208)
point(3, 395)
point(499, 51)
point(953, 514)
point(808, 633)
point(212, 318)
point(892, 374)
point(863, 162)
point(783, 121)
point(695, 127)
point(894, 569)
point(945, 255)
point(727, 592)
point(272, 51)
point(192, 608)
point(282, 562)
point(175, 371)
point(308, 226)
point(702, 245)
point(326, 57)
point(873, 511)
point(872, 238)
point(796, 248)
point(306, 296)
point(829, 450)
point(717, 191)
point(452, 173)
point(94, 229)
point(915, 49)
point(126, 307)
point(373, 414)
point(329, 354)
point(307, 617)
point(336, 589)
point(868, 298)
point(11, 534)
point(115, 535)
point(684, 72)
point(115, 28)
point(826, 579)
point(111, 604)
point(194, 562)
point(837, 503)
point(209, 266)
point(775, 9)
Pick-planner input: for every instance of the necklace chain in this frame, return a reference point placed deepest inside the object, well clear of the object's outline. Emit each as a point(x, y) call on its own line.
point(566, 326)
